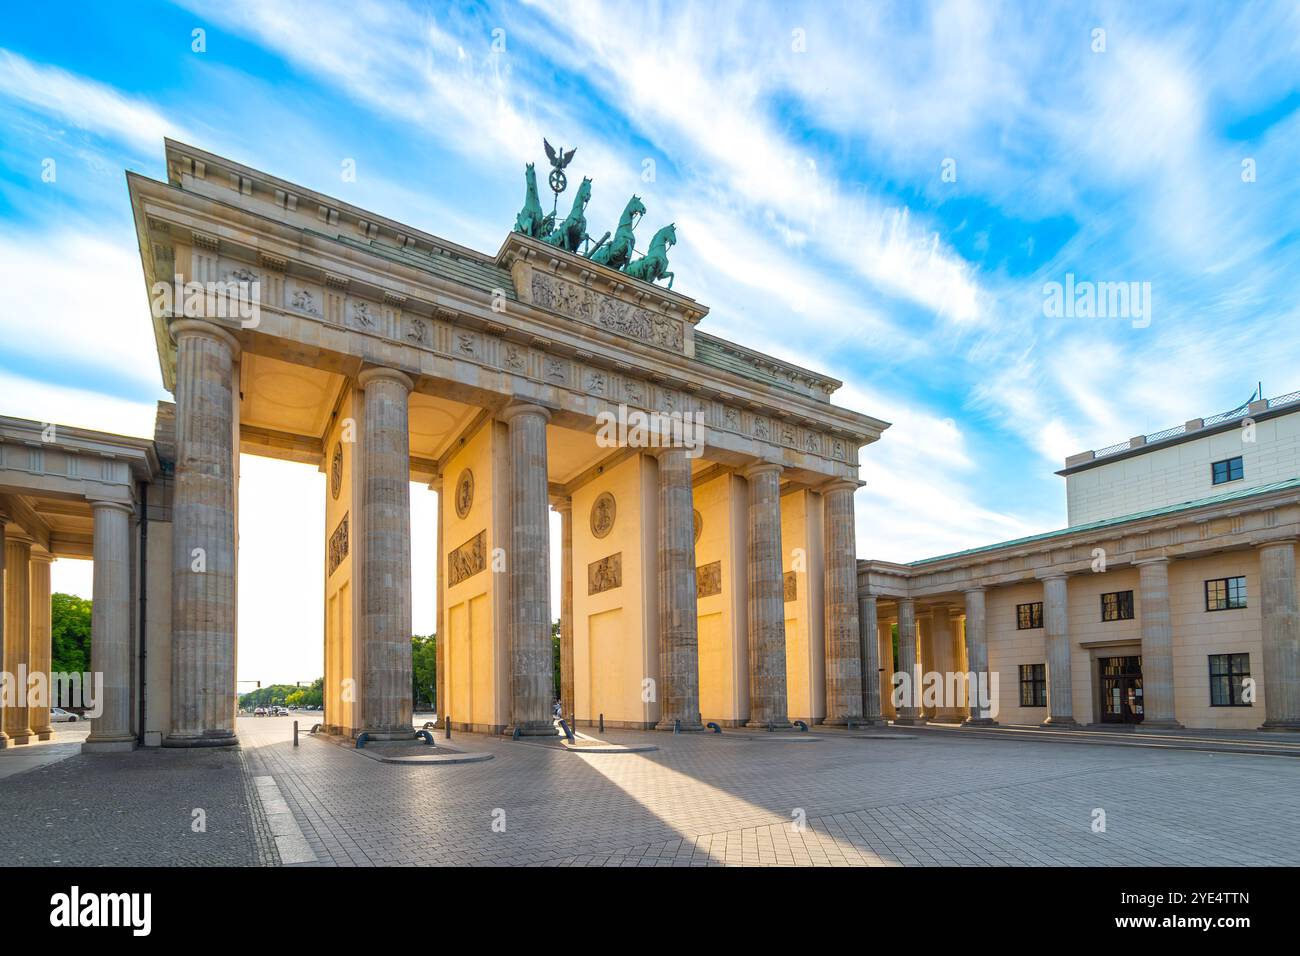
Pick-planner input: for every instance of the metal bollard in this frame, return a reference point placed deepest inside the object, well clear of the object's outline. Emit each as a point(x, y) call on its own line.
point(446, 726)
point(602, 723)
point(295, 733)
point(677, 727)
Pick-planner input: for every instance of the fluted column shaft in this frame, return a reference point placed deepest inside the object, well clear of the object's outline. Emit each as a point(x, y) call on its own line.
point(204, 546)
point(1280, 620)
point(886, 677)
point(679, 652)
point(945, 660)
point(909, 712)
point(1056, 627)
point(41, 631)
point(768, 703)
point(529, 561)
point(843, 638)
point(565, 508)
point(110, 627)
point(386, 554)
point(17, 636)
point(925, 640)
point(977, 658)
point(869, 651)
point(1157, 644)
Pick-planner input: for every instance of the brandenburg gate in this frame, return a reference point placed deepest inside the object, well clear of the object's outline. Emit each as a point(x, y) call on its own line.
point(708, 565)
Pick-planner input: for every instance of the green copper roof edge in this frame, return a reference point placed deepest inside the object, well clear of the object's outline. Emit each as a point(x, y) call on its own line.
point(1110, 522)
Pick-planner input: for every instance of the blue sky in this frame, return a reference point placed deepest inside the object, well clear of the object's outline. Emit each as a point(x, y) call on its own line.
point(800, 149)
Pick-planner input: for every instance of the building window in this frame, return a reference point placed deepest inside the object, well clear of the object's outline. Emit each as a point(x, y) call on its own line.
point(1033, 685)
point(1029, 616)
point(1117, 606)
point(1228, 675)
point(1230, 469)
point(1225, 594)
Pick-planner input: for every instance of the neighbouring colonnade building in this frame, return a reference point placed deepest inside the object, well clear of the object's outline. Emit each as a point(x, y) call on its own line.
point(714, 582)
point(1170, 600)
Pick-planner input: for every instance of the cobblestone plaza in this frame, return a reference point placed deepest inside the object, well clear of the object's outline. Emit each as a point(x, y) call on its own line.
point(832, 799)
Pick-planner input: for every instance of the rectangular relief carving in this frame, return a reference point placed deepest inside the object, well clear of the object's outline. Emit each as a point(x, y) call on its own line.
point(791, 587)
point(708, 579)
point(467, 560)
point(605, 574)
point(338, 548)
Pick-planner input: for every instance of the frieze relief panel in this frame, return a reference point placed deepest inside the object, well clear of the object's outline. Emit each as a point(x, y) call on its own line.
point(585, 305)
point(708, 579)
point(790, 584)
point(605, 574)
point(467, 560)
point(338, 548)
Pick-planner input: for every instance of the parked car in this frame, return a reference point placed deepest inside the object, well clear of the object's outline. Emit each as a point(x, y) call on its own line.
point(59, 715)
point(259, 712)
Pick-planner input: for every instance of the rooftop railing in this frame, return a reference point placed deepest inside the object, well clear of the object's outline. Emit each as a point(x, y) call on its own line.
point(1195, 425)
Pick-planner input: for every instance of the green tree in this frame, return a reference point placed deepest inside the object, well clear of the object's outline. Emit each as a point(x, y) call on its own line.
point(70, 634)
point(424, 670)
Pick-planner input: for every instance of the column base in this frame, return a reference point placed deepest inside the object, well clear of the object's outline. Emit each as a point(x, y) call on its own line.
point(1281, 725)
point(868, 721)
point(688, 726)
point(532, 728)
point(840, 721)
point(108, 745)
point(909, 721)
point(44, 734)
point(1060, 723)
point(979, 722)
point(1160, 725)
point(186, 740)
point(781, 724)
point(20, 736)
point(388, 734)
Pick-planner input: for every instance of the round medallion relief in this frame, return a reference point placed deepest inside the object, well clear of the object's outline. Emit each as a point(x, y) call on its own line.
point(336, 470)
point(699, 525)
point(603, 510)
point(464, 493)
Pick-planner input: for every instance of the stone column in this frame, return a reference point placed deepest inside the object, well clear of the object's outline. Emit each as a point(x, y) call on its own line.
point(869, 652)
point(1280, 621)
point(768, 703)
point(17, 636)
point(110, 627)
point(565, 508)
point(4, 656)
point(945, 661)
point(842, 636)
point(977, 657)
point(441, 636)
point(925, 639)
point(1157, 644)
point(1056, 627)
point(886, 682)
point(386, 554)
point(532, 671)
point(910, 712)
point(679, 650)
point(39, 717)
point(204, 544)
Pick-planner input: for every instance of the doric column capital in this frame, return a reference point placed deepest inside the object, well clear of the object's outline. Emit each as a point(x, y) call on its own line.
point(761, 468)
point(1162, 559)
point(381, 373)
point(42, 557)
point(97, 504)
point(839, 484)
point(20, 537)
point(975, 590)
point(1051, 575)
point(524, 408)
point(562, 506)
point(1288, 541)
point(183, 327)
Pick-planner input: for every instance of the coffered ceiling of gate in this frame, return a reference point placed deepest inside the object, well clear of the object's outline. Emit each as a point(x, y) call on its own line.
point(571, 453)
point(280, 397)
